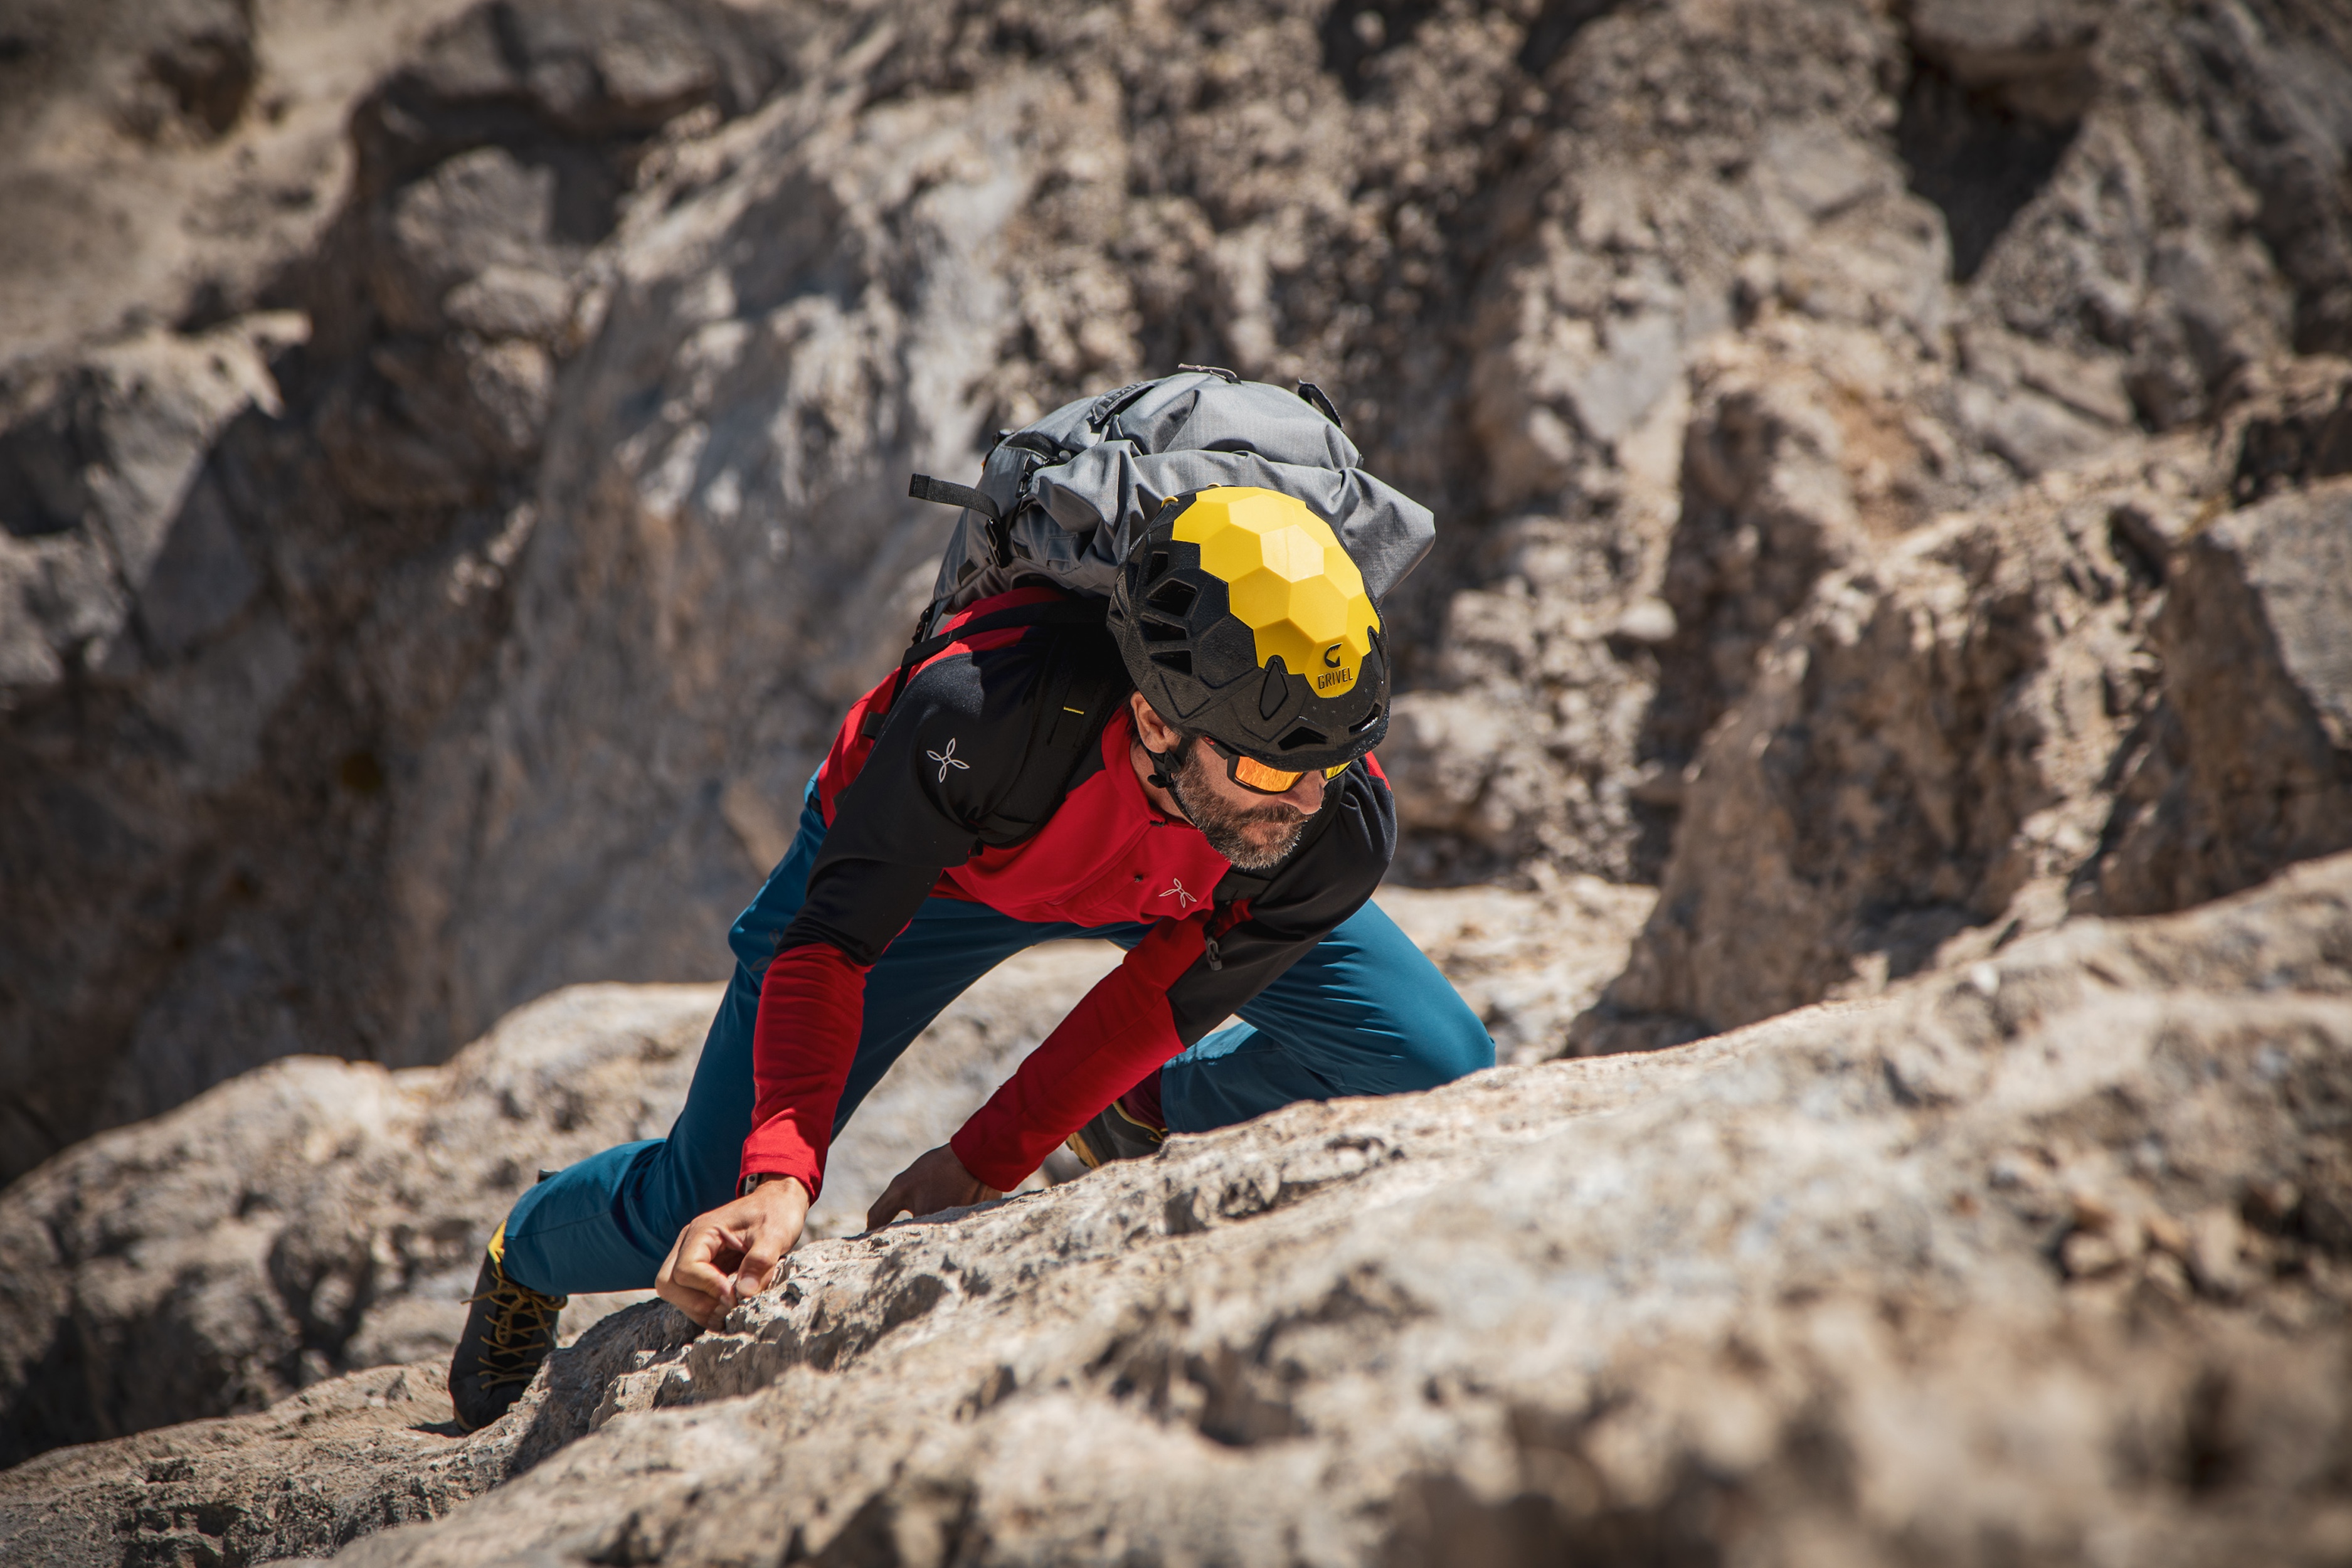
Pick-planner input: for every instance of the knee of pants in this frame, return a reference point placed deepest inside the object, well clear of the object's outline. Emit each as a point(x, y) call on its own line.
point(1446, 1042)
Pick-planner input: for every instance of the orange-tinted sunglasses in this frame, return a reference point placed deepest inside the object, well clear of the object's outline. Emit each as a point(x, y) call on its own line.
point(1255, 775)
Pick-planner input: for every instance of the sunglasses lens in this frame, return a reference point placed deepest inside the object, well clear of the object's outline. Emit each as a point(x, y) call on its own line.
point(1257, 775)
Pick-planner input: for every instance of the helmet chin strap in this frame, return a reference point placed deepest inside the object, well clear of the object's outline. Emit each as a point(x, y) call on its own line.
point(1165, 766)
point(1163, 769)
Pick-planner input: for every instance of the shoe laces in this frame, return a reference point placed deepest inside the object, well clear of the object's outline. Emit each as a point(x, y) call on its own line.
point(522, 1323)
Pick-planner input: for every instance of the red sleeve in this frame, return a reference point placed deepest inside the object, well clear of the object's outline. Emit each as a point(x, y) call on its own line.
point(1120, 1032)
point(811, 1006)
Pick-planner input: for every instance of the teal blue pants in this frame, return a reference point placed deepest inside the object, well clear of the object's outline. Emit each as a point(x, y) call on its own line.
point(1363, 1012)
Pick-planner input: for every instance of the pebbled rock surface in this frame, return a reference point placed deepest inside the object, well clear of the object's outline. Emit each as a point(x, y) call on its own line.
point(452, 466)
point(317, 1216)
point(308, 1219)
point(2040, 1259)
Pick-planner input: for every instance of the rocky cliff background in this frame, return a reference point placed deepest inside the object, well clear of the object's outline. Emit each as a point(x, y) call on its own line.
point(452, 460)
point(1894, 461)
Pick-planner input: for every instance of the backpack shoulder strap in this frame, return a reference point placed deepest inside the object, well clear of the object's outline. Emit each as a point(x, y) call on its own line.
point(1077, 693)
point(927, 645)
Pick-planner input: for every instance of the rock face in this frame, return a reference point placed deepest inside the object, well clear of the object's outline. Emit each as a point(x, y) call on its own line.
point(311, 1217)
point(2250, 763)
point(2094, 696)
point(2051, 1252)
point(259, 511)
point(315, 1217)
point(1896, 467)
point(436, 551)
point(319, 1215)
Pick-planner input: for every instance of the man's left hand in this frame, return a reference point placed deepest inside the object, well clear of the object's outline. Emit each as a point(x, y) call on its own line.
point(937, 1180)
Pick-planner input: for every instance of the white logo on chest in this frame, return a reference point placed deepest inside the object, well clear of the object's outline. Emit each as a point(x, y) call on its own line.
point(947, 760)
point(1175, 890)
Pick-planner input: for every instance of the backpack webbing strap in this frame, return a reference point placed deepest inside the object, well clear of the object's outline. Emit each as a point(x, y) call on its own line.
point(926, 645)
point(1314, 397)
point(922, 639)
point(1079, 692)
point(1099, 413)
point(922, 487)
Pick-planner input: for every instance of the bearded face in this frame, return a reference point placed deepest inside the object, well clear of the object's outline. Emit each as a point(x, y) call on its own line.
point(1255, 838)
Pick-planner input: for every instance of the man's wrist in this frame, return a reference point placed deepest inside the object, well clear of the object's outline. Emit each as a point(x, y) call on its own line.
point(974, 1148)
point(752, 1181)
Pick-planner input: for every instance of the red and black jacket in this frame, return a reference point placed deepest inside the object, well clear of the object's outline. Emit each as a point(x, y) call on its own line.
point(910, 811)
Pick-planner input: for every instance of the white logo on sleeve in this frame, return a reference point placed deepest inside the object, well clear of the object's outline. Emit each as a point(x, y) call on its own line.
point(947, 759)
point(1175, 890)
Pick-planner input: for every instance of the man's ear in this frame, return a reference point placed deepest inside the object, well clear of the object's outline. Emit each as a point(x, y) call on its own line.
point(1157, 733)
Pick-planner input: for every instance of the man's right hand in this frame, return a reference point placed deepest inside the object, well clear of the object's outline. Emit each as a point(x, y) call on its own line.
point(730, 1254)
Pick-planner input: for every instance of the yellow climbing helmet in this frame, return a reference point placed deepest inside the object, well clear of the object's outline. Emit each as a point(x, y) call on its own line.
point(1242, 619)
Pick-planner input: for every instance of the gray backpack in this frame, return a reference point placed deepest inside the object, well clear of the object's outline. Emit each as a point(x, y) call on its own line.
point(1058, 501)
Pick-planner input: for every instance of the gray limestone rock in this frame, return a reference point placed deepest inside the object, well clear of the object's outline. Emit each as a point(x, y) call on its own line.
point(311, 1217)
point(2046, 1250)
point(317, 1216)
point(451, 470)
point(505, 410)
point(2247, 764)
point(2086, 698)
point(253, 555)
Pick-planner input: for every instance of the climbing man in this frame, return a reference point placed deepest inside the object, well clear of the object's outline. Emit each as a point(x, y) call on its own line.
point(1185, 770)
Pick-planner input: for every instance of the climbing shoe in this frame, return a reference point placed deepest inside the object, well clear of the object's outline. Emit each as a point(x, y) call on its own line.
point(508, 1334)
point(1115, 1135)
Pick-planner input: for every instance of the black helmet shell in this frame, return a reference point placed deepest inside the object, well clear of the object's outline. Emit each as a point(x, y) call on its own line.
point(1242, 619)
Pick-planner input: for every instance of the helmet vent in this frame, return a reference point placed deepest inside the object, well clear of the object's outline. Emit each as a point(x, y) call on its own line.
point(1177, 659)
point(1301, 737)
point(1157, 630)
point(1158, 568)
point(1367, 722)
point(1175, 596)
point(1277, 687)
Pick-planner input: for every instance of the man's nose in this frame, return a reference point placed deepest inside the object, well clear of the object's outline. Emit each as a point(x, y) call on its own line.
point(1306, 795)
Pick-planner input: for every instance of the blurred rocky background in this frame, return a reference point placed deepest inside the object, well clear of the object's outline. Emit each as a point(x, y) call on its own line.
point(1894, 464)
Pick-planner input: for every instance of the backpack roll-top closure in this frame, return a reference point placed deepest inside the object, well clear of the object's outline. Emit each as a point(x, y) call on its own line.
point(1070, 490)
